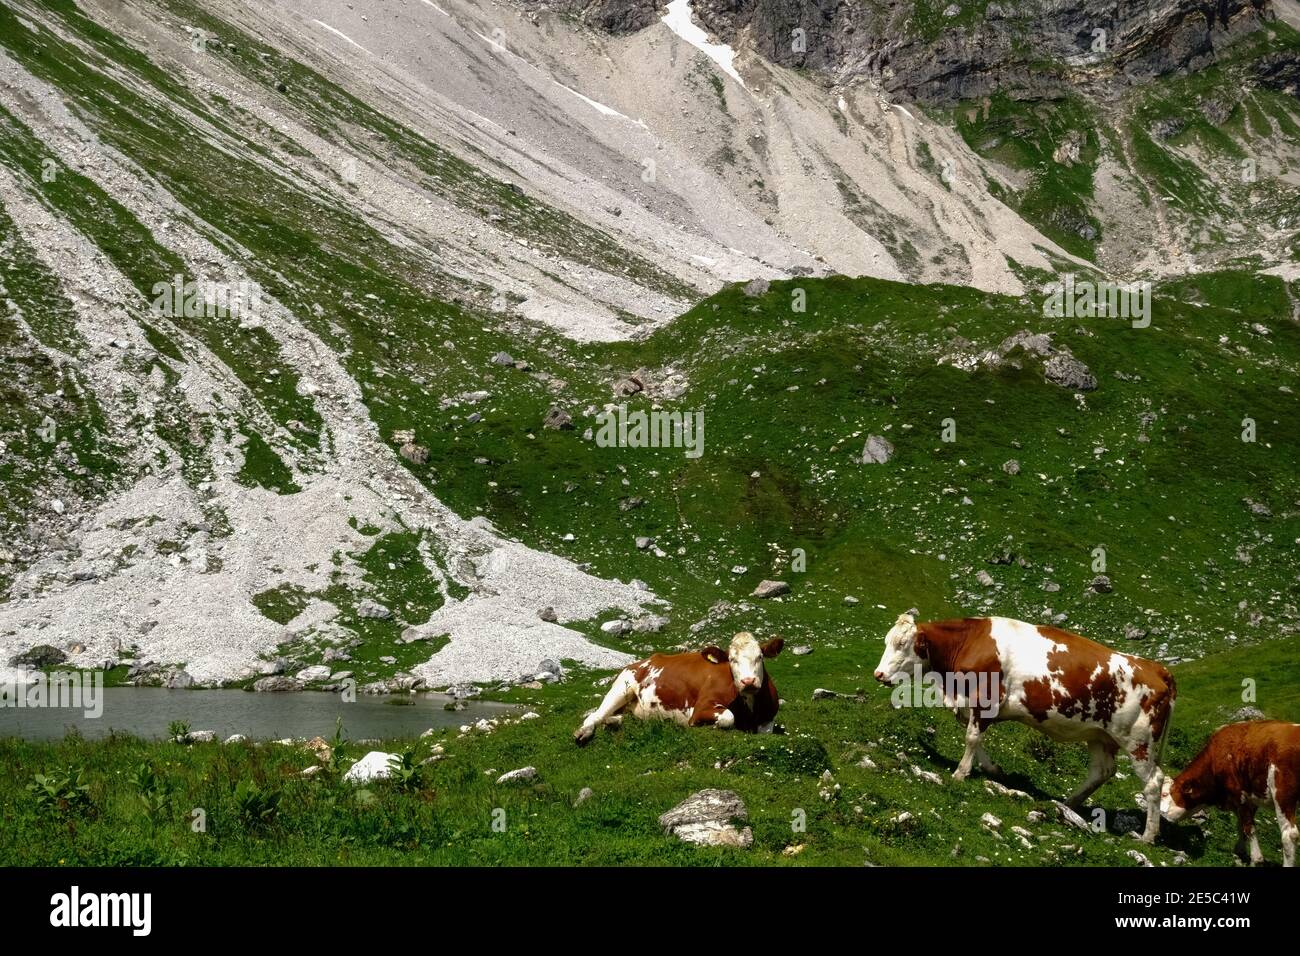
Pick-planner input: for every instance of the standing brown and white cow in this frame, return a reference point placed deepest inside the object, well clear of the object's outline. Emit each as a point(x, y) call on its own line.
point(710, 686)
point(1069, 687)
point(1242, 768)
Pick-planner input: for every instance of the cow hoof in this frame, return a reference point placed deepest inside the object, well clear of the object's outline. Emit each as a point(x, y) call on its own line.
point(959, 775)
point(582, 736)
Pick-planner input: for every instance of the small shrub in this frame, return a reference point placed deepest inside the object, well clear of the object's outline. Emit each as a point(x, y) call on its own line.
point(60, 791)
point(256, 806)
point(154, 791)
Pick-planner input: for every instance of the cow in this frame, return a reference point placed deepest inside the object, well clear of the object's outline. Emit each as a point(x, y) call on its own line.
point(728, 689)
point(1242, 768)
point(1066, 686)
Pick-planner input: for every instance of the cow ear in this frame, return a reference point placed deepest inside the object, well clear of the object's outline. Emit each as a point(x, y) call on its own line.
point(773, 647)
point(920, 643)
point(714, 654)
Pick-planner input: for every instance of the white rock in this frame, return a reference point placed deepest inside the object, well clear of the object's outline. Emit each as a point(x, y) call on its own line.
point(375, 765)
point(522, 775)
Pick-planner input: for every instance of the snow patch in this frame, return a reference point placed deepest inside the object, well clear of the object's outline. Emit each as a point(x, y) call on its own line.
point(678, 19)
point(340, 33)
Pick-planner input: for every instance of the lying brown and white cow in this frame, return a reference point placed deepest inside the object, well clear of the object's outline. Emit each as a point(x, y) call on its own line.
point(1242, 768)
point(1069, 687)
point(709, 686)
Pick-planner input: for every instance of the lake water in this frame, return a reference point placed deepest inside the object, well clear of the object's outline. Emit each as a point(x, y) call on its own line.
point(146, 712)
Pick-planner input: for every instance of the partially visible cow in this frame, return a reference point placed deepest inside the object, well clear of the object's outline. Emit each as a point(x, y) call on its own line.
point(709, 686)
point(1242, 768)
point(1069, 687)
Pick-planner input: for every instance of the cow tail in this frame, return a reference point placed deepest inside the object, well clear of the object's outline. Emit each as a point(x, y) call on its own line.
point(1170, 699)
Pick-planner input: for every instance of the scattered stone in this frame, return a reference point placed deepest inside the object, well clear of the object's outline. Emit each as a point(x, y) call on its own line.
point(522, 775)
point(1067, 371)
point(877, 450)
point(585, 794)
point(1011, 467)
point(756, 287)
point(705, 818)
point(927, 775)
point(821, 693)
point(320, 747)
point(557, 418)
point(1001, 790)
point(990, 821)
point(1139, 858)
point(1134, 633)
point(199, 737)
point(503, 358)
point(415, 454)
point(548, 614)
point(803, 650)
point(373, 610)
point(314, 673)
point(1068, 816)
point(769, 589)
point(643, 542)
point(1248, 713)
point(984, 578)
point(850, 601)
point(1101, 584)
point(235, 739)
point(614, 627)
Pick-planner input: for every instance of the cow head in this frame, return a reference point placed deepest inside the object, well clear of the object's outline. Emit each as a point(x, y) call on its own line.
point(746, 659)
point(1180, 796)
point(904, 651)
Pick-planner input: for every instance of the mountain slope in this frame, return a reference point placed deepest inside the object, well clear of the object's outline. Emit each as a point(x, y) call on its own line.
point(418, 189)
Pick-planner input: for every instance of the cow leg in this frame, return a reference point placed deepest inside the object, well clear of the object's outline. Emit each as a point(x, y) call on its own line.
point(985, 761)
point(973, 746)
point(1248, 837)
point(621, 693)
point(1146, 763)
point(1285, 789)
point(1101, 767)
point(717, 714)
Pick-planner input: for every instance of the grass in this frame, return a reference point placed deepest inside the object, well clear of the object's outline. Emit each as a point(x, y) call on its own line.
point(447, 815)
point(1149, 467)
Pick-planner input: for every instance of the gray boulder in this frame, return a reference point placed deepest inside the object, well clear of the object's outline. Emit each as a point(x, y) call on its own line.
point(876, 451)
point(1067, 371)
point(373, 610)
point(276, 683)
point(706, 818)
point(770, 589)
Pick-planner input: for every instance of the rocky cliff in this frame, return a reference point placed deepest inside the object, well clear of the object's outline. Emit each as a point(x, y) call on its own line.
point(927, 51)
